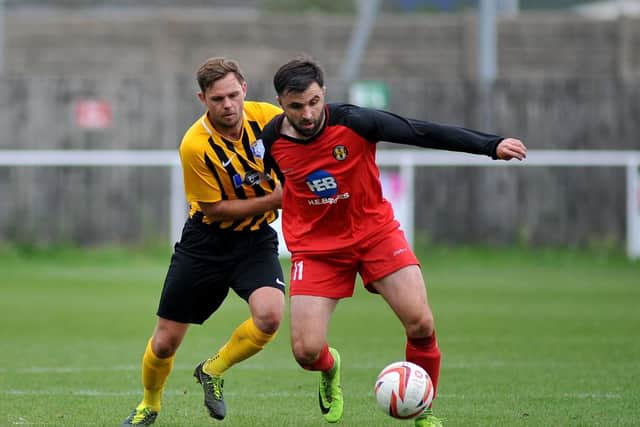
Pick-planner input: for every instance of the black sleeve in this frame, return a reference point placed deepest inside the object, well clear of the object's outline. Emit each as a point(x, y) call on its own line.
point(268, 137)
point(378, 125)
point(270, 165)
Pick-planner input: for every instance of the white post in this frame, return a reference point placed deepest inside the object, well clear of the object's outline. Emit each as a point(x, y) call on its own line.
point(487, 58)
point(2, 35)
point(633, 208)
point(367, 13)
point(407, 174)
point(487, 42)
point(178, 209)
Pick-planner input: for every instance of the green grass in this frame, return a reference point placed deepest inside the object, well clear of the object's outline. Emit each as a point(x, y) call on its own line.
point(529, 338)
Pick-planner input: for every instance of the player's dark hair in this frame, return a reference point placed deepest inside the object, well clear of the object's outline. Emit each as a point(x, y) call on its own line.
point(214, 69)
point(296, 75)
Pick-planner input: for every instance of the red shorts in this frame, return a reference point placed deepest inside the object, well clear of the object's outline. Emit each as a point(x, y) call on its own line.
point(333, 274)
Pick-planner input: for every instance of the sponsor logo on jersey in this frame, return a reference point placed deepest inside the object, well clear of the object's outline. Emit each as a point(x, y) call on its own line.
point(324, 185)
point(257, 148)
point(340, 152)
point(328, 200)
point(251, 178)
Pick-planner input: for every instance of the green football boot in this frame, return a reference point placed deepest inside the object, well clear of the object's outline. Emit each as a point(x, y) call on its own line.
point(427, 419)
point(330, 392)
point(212, 387)
point(141, 416)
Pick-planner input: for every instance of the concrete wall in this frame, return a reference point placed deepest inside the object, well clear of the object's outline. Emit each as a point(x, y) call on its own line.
point(565, 83)
point(142, 42)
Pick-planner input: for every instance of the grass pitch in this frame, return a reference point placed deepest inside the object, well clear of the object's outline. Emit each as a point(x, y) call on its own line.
point(529, 338)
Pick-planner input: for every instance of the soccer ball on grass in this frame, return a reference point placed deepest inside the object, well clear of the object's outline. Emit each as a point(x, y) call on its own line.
point(403, 390)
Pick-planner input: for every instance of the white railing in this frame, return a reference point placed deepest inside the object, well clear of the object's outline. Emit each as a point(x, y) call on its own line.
point(139, 158)
point(405, 160)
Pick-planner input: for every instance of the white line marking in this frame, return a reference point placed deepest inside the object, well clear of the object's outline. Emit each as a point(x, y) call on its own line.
point(248, 392)
point(285, 366)
point(99, 393)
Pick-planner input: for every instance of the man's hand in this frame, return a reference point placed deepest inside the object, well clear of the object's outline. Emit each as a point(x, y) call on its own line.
point(511, 148)
point(276, 195)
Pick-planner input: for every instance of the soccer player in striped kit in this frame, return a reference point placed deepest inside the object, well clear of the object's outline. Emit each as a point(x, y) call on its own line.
point(226, 242)
point(337, 223)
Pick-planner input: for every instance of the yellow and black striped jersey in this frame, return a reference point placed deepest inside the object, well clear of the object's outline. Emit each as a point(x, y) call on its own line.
point(216, 168)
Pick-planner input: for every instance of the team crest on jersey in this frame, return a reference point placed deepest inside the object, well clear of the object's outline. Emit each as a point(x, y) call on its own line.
point(257, 147)
point(340, 152)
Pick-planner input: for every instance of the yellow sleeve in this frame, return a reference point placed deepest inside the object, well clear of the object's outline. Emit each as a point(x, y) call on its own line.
point(269, 111)
point(199, 182)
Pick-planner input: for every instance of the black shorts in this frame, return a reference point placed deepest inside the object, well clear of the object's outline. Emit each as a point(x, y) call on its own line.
point(207, 262)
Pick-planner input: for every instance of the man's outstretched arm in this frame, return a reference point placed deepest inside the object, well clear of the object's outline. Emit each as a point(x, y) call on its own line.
point(378, 125)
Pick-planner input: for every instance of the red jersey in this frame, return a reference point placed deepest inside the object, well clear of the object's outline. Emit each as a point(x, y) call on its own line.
point(332, 196)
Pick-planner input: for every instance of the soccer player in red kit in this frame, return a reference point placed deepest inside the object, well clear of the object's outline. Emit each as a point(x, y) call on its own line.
point(337, 224)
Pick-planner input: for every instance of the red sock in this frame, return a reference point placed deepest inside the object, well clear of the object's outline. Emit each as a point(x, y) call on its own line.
point(425, 352)
point(324, 362)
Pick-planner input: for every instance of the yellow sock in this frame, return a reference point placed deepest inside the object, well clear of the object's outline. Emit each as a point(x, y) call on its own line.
point(154, 374)
point(245, 341)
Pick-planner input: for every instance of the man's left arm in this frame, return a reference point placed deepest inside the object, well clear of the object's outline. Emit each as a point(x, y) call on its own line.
point(378, 125)
point(229, 210)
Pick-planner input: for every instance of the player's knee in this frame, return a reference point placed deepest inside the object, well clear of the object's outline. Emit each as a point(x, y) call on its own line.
point(421, 326)
point(267, 309)
point(304, 355)
point(268, 321)
point(165, 346)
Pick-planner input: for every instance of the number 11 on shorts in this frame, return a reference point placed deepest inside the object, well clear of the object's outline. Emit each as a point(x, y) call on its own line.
point(298, 268)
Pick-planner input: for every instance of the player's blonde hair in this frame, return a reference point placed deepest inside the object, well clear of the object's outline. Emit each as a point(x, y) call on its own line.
point(214, 69)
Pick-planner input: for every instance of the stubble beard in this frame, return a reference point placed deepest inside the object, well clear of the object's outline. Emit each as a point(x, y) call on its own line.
point(308, 133)
point(226, 127)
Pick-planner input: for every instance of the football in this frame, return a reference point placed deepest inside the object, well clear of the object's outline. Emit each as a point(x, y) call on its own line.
point(403, 390)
